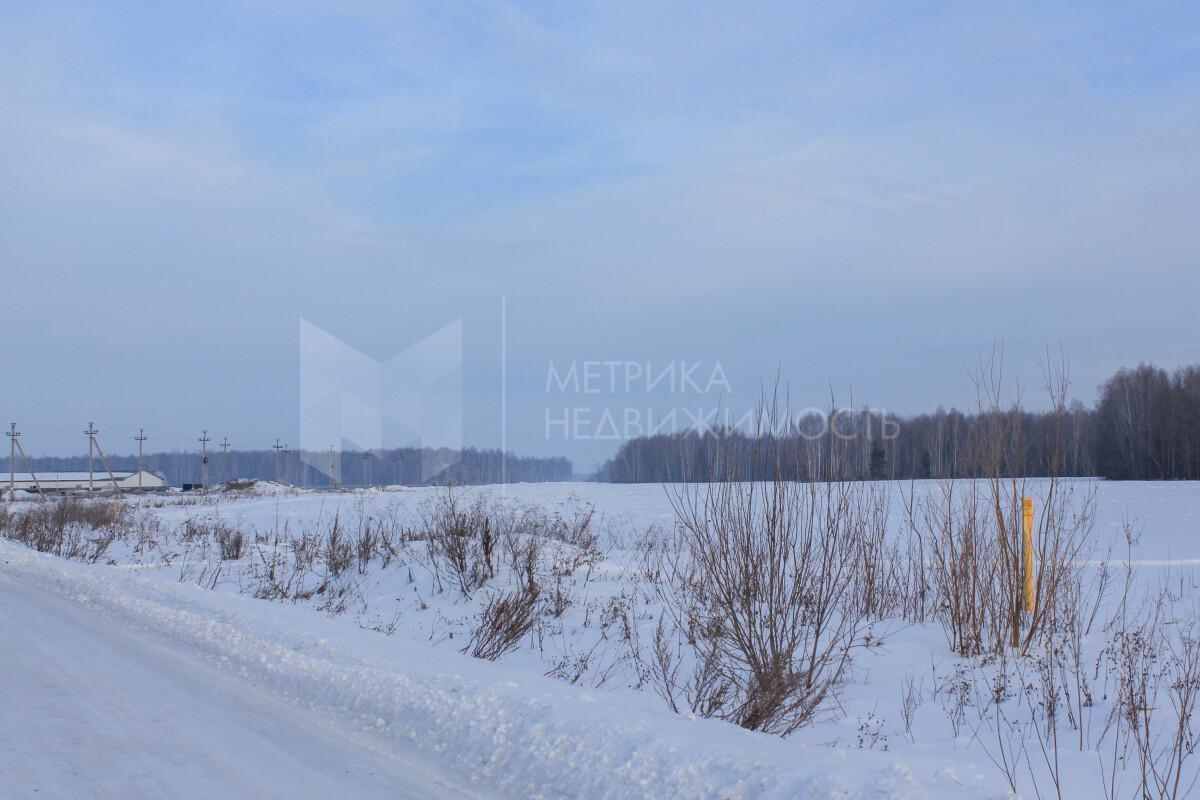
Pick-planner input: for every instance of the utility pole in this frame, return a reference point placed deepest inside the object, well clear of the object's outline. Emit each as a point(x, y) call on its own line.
point(367, 466)
point(16, 447)
point(286, 461)
point(12, 461)
point(204, 440)
point(91, 434)
point(141, 437)
point(104, 460)
point(225, 458)
point(277, 447)
point(396, 470)
point(332, 468)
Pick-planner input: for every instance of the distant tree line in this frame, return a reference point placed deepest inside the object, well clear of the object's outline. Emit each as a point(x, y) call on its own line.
point(1145, 426)
point(406, 466)
point(1148, 424)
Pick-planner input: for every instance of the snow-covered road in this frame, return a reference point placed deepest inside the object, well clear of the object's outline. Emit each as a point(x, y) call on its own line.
point(92, 709)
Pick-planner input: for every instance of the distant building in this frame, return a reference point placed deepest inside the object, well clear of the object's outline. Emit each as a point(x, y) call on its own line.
point(78, 481)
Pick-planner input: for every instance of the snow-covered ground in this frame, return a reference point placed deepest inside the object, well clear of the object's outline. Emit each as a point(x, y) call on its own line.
point(257, 652)
point(96, 707)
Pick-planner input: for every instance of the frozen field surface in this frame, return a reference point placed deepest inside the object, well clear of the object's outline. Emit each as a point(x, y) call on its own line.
point(169, 668)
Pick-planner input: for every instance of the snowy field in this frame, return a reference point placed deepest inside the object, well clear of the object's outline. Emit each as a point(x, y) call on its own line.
point(541, 649)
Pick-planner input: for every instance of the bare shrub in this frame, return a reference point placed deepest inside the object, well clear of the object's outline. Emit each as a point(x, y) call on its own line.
point(1149, 684)
point(524, 556)
point(1166, 756)
point(231, 542)
point(1155, 664)
point(504, 621)
point(888, 580)
point(306, 548)
point(276, 576)
point(365, 545)
point(760, 580)
point(970, 533)
point(68, 527)
point(462, 538)
point(338, 551)
point(376, 536)
point(910, 701)
point(574, 524)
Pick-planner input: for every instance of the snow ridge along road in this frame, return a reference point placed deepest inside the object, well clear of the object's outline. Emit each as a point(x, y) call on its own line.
point(94, 709)
point(118, 685)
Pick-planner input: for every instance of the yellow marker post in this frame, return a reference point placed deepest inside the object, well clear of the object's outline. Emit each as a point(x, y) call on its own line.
point(1027, 550)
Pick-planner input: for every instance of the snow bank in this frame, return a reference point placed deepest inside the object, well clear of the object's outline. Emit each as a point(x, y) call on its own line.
point(508, 732)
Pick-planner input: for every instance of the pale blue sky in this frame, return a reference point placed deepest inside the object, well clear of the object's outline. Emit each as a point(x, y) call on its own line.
point(862, 195)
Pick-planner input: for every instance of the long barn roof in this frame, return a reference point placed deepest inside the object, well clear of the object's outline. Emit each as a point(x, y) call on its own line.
point(49, 475)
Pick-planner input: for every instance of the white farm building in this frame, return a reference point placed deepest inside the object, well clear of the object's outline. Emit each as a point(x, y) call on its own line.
point(78, 481)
